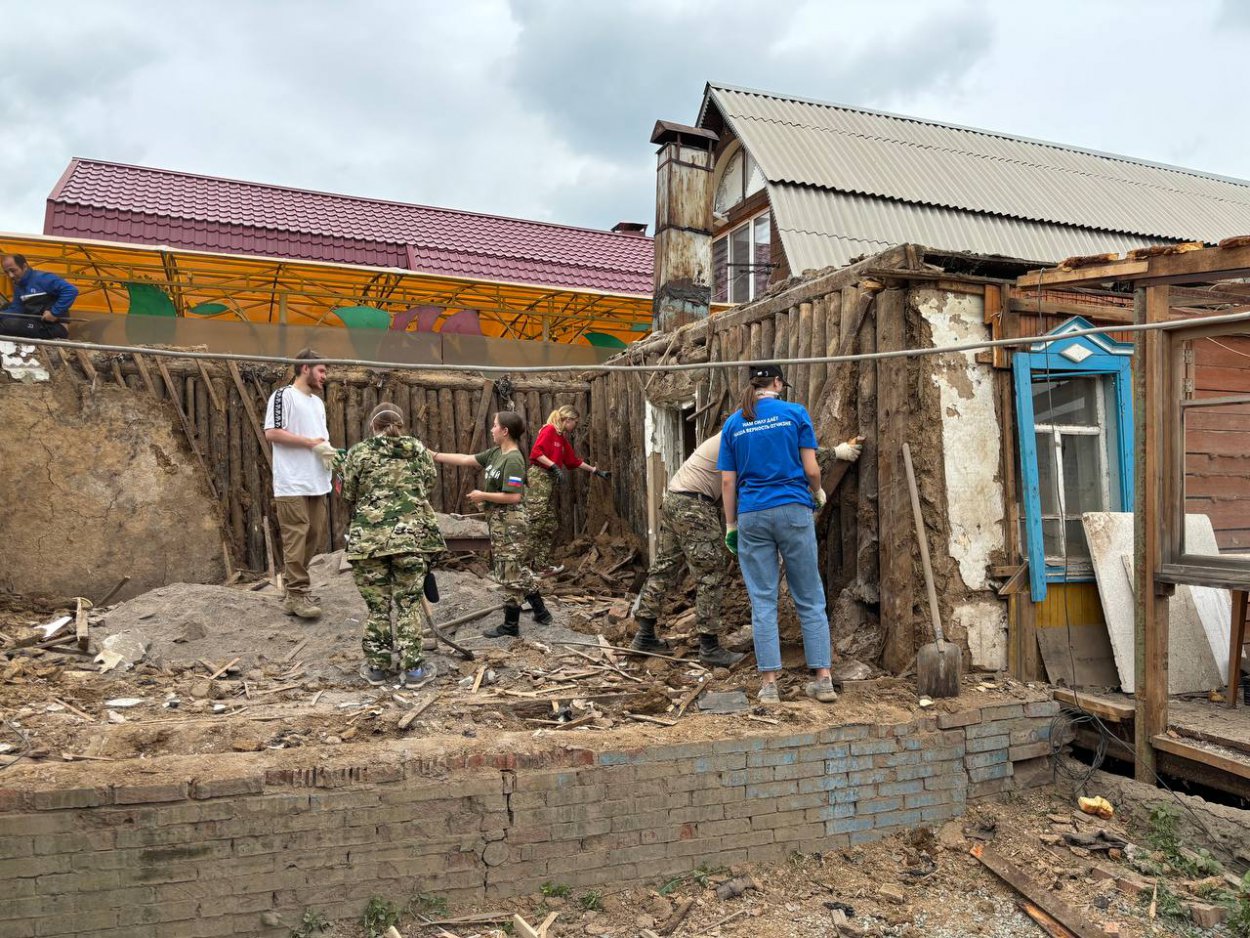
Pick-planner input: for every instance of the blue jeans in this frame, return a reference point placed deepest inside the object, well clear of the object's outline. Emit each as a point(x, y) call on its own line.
point(788, 530)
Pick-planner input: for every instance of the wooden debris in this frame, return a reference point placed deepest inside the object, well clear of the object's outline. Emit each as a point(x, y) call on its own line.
point(223, 669)
point(477, 680)
point(644, 654)
point(114, 591)
point(295, 651)
point(523, 928)
point(678, 916)
point(406, 720)
point(644, 718)
point(1036, 893)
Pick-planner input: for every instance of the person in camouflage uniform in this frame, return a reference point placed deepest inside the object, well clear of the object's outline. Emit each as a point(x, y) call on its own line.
point(391, 543)
point(504, 466)
point(551, 456)
point(690, 530)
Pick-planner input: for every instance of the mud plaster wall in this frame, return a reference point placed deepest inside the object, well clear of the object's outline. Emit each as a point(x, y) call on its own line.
point(95, 486)
point(971, 439)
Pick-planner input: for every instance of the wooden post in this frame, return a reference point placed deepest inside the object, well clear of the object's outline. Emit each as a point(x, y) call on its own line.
point(867, 560)
point(893, 503)
point(1150, 406)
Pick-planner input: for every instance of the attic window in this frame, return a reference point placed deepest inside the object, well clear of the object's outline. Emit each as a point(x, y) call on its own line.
point(740, 178)
point(741, 257)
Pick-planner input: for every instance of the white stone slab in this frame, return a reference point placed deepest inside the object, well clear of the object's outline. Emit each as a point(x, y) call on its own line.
point(1191, 662)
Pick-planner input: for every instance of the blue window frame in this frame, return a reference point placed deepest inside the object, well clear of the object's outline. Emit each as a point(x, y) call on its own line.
point(1075, 427)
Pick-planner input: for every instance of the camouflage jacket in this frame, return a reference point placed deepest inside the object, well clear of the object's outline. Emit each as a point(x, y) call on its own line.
point(387, 482)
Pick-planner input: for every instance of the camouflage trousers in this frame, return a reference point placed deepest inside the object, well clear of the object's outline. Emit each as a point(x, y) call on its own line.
point(389, 585)
point(690, 530)
point(540, 516)
point(508, 551)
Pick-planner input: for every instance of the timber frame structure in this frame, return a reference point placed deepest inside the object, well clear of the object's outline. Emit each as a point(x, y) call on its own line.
point(1162, 282)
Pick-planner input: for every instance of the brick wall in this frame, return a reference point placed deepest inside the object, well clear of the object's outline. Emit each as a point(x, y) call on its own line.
point(212, 855)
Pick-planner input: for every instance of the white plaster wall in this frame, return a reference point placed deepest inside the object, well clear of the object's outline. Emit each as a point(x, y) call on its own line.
point(971, 436)
point(985, 623)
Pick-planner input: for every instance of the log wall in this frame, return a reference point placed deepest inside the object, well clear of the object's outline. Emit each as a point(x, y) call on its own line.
point(830, 313)
point(218, 410)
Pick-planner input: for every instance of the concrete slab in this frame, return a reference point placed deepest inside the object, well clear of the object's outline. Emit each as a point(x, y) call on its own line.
point(1192, 663)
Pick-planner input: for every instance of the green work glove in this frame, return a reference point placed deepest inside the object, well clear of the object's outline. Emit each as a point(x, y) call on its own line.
point(731, 540)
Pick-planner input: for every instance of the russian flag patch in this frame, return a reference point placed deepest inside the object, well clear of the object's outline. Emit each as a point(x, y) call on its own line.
point(515, 480)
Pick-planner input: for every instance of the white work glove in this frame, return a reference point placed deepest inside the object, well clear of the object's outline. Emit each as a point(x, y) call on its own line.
point(849, 451)
point(819, 498)
point(325, 449)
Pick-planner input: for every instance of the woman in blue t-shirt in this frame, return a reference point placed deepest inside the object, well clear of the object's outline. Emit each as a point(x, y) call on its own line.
point(771, 486)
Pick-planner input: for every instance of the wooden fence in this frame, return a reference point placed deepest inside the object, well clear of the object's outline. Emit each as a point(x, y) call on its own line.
point(219, 409)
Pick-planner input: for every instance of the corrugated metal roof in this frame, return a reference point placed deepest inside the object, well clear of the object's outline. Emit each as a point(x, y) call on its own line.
point(820, 228)
point(137, 204)
point(848, 150)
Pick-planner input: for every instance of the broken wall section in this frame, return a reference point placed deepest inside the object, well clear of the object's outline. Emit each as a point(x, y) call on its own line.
point(97, 485)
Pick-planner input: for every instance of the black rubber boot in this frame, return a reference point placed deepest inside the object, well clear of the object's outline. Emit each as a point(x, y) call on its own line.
point(511, 626)
point(712, 655)
point(539, 608)
point(645, 638)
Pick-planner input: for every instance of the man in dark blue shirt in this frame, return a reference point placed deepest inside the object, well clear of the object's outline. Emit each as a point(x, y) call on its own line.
point(40, 303)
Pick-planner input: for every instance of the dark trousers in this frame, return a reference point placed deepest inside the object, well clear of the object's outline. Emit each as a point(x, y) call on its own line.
point(32, 327)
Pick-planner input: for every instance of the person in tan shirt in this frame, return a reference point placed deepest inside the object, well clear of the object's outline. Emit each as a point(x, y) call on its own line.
point(690, 530)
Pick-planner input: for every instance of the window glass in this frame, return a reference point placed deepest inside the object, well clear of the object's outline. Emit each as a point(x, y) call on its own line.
point(1070, 401)
point(740, 264)
point(729, 191)
point(720, 270)
point(761, 272)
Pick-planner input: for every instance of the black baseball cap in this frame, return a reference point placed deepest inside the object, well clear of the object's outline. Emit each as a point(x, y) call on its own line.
point(769, 371)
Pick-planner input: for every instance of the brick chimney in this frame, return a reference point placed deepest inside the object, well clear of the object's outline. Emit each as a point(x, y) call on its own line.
point(683, 224)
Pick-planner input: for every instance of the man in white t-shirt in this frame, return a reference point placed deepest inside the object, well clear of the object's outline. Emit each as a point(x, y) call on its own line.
point(295, 423)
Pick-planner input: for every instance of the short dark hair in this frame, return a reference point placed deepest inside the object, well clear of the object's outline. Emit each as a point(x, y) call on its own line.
point(305, 358)
point(19, 259)
point(511, 421)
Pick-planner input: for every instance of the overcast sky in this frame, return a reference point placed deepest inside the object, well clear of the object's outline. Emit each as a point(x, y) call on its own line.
point(543, 109)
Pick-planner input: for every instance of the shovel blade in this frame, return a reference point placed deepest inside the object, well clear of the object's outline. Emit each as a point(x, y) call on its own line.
point(939, 669)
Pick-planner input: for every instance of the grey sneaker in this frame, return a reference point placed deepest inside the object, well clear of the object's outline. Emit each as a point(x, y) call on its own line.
point(300, 606)
point(822, 690)
point(374, 676)
point(768, 694)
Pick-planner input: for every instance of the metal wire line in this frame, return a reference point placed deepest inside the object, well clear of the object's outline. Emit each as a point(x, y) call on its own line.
point(974, 346)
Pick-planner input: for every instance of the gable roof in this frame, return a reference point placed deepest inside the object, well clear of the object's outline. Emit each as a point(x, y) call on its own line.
point(143, 205)
point(846, 181)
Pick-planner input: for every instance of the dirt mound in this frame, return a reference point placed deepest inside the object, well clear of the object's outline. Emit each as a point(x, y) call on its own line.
point(186, 622)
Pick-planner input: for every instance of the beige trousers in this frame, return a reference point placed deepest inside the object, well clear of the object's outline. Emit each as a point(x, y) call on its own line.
point(304, 523)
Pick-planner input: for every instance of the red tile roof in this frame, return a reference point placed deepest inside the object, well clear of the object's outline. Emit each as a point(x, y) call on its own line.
point(138, 204)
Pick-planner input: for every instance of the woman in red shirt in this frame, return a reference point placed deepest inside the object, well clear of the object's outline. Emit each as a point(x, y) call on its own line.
point(551, 456)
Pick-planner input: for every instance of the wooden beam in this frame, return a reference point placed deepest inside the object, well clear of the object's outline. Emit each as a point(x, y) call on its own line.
point(1037, 893)
point(1201, 755)
point(1110, 710)
point(1149, 519)
point(187, 429)
point(245, 396)
point(1100, 273)
point(894, 393)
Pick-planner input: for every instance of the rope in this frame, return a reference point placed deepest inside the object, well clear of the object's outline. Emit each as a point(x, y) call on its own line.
point(974, 346)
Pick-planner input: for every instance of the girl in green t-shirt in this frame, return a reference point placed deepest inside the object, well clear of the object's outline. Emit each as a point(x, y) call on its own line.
point(503, 484)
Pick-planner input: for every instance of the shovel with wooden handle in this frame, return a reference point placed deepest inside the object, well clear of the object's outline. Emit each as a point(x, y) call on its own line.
point(939, 665)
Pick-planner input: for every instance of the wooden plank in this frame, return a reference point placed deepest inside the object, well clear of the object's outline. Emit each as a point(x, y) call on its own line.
point(1201, 755)
point(867, 557)
point(88, 368)
point(142, 365)
point(80, 623)
point(187, 429)
point(1107, 709)
point(249, 408)
point(218, 403)
point(1150, 609)
point(1040, 895)
point(1099, 273)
